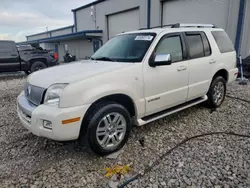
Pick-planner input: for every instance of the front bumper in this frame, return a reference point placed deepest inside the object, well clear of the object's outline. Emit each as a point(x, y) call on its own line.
point(32, 118)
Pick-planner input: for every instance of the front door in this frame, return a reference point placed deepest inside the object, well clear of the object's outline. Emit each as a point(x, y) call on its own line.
point(167, 85)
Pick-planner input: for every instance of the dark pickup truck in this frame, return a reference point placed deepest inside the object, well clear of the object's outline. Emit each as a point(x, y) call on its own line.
point(28, 59)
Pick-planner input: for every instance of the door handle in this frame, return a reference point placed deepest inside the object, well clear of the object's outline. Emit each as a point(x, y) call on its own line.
point(182, 68)
point(13, 55)
point(212, 61)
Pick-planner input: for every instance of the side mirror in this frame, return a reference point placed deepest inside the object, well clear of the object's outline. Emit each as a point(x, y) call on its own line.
point(160, 60)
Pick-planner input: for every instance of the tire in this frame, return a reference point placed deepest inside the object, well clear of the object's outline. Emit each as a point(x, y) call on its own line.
point(36, 66)
point(217, 92)
point(112, 136)
point(27, 72)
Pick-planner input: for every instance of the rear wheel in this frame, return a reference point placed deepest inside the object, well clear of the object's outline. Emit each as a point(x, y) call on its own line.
point(217, 92)
point(108, 128)
point(36, 66)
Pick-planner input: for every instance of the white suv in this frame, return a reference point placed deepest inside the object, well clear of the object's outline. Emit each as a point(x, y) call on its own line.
point(135, 78)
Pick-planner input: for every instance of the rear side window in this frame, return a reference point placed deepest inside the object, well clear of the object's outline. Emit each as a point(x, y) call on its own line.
point(207, 48)
point(6, 47)
point(223, 41)
point(195, 46)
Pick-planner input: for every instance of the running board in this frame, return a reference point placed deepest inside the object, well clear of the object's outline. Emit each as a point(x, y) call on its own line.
point(170, 111)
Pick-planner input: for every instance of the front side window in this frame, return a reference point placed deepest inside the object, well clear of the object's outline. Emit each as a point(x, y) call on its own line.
point(125, 48)
point(172, 46)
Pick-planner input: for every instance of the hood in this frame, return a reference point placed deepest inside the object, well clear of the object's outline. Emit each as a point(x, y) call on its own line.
point(73, 72)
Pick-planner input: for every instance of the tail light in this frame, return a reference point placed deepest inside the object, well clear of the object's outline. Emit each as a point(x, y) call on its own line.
point(56, 56)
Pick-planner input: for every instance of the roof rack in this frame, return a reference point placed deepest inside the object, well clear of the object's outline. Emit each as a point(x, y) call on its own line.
point(179, 25)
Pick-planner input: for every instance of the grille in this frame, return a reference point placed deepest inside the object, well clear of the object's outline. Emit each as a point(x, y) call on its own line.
point(34, 94)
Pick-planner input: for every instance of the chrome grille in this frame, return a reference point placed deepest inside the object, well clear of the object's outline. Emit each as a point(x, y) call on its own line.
point(34, 94)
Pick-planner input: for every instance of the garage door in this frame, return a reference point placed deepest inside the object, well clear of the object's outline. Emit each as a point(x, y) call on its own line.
point(245, 48)
point(122, 22)
point(196, 11)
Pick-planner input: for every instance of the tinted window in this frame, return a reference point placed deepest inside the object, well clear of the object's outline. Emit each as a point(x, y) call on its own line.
point(223, 41)
point(6, 47)
point(195, 46)
point(171, 45)
point(207, 48)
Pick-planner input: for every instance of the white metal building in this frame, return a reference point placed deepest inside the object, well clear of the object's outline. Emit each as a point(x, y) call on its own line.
point(103, 19)
point(65, 39)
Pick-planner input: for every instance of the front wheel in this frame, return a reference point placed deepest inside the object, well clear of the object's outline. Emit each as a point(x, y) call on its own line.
point(109, 128)
point(217, 92)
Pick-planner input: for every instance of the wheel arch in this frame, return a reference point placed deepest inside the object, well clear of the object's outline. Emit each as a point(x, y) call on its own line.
point(43, 60)
point(223, 73)
point(119, 98)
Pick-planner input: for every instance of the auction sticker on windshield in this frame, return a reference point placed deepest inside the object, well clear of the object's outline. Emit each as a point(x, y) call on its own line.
point(147, 38)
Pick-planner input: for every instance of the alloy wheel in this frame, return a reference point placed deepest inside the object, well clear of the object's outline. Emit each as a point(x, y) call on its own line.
point(111, 130)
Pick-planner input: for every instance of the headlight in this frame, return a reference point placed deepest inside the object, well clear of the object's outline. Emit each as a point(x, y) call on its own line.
point(53, 94)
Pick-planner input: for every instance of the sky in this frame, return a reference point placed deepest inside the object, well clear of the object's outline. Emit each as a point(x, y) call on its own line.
point(19, 18)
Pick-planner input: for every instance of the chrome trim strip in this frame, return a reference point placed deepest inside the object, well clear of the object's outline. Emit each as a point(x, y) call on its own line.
point(25, 106)
point(25, 117)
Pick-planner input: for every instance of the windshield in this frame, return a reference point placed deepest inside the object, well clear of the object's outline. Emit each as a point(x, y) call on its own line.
point(125, 48)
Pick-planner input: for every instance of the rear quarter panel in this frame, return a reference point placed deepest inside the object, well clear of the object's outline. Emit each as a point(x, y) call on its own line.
point(28, 57)
point(226, 61)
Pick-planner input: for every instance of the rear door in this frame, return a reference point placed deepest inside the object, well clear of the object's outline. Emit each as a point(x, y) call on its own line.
point(9, 59)
point(200, 62)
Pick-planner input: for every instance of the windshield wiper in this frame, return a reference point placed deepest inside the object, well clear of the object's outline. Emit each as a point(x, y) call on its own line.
point(103, 59)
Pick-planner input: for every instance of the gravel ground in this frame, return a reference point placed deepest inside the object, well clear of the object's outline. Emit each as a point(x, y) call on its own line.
point(213, 161)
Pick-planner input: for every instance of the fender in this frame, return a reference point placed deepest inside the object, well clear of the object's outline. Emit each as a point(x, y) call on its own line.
point(91, 95)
